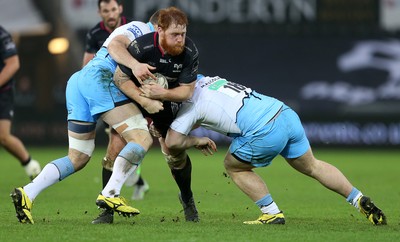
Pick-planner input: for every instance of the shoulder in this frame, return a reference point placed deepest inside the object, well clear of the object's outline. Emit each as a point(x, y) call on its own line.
point(191, 48)
point(97, 30)
point(4, 33)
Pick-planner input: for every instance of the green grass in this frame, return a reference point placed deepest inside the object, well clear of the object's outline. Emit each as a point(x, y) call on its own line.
point(63, 212)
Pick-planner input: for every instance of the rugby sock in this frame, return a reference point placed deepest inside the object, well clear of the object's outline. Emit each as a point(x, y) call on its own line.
point(140, 182)
point(52, 173)
point(126, 163)
point(183, 178)
point(106, 174)
point(267, 205)
point(353, 197)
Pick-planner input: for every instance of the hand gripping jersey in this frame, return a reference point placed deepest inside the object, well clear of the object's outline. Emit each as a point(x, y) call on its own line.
point(225, 107)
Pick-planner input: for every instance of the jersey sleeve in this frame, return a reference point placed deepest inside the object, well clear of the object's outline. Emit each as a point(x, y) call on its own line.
point(189, 72)
point(7, 45)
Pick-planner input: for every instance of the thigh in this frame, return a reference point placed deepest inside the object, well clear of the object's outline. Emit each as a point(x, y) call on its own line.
point(163, 119)
point(7, 105)
point(262, 147)
point(121, 113)
point(298, 143)
point(77, 106)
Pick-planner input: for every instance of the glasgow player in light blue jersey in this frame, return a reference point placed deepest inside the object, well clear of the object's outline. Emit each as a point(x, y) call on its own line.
point(262, 127)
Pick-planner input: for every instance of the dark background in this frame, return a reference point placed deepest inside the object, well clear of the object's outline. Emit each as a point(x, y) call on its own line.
point(286, 51)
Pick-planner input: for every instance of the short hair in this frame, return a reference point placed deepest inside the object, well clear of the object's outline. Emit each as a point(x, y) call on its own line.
point(119, 2)
point(171, 15)
point(154, 18)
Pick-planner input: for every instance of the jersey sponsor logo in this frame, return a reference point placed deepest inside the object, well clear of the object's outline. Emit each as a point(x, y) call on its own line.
point(178, 67)
point(135, 31)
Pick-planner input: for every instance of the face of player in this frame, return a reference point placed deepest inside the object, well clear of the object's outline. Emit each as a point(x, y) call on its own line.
point(111, 14)
point(172, 40)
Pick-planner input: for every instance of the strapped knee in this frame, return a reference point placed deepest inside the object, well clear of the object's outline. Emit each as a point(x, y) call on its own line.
point(176, 161)
point(134, 122)
point(84, 146)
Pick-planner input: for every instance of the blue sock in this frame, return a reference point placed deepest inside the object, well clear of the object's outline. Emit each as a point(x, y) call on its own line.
point(265, 201)
point(64, 166)
point(354, 192)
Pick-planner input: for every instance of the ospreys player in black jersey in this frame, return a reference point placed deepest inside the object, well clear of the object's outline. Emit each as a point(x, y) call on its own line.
point(110, 12)
point(9, 65)
point(171, 53)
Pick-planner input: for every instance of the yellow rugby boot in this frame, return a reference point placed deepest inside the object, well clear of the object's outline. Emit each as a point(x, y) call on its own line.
point(118, 204)
point(23, 205)
point(268, 219)
point(370, 211)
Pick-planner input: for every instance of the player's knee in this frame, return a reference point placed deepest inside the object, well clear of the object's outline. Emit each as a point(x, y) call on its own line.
point(107, 163)
point(134, 122)
point(176, 161)
point(84, 146)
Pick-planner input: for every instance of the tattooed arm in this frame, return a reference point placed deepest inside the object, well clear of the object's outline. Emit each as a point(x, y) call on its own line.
point(128, 87)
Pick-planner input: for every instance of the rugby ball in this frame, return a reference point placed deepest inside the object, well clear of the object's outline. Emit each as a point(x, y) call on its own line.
point(161, 80)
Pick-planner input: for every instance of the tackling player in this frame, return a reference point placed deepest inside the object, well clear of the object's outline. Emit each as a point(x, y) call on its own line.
point(110, 12)
point(262, 127)
point(91, 95)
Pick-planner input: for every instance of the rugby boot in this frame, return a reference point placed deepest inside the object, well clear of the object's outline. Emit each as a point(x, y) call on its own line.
point(370, 211)
point(268, 219)
point(189, 209)
point(23, 205)
point(118, 204)
point(105, 217)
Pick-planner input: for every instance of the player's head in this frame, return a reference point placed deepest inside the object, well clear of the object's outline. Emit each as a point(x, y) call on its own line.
point(172, 23)
point(154, 19)
point(110, 12)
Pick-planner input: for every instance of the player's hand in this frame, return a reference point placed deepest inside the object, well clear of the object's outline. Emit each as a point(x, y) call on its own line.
point(153, 91)
point(154, 131)
point(142, 72)
point(206, 145)
point(152, 106)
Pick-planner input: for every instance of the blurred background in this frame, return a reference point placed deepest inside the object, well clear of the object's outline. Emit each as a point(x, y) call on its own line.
point(336, 62)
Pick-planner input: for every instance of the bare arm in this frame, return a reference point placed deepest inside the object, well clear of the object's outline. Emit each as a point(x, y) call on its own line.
point(11, 66)
point(177, 94)
point(178, 141)
point(86, 58)
point(117, 48)
point(129, 88)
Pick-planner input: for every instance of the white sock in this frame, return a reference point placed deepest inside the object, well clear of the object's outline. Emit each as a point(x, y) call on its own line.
point(49, 176)
point(355, 200)
point(271, 209)
point(122, 169)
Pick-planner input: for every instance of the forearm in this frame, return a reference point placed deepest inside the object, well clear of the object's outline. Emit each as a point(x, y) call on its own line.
point(127, 86)
point(178, 94)
point(176, 140)
point(119, 52)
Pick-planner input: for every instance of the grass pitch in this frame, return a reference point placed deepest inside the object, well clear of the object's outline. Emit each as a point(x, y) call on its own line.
point(64, 211)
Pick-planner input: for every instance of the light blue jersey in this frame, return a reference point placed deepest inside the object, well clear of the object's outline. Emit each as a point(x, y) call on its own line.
point(91, 91)
point(261, 126)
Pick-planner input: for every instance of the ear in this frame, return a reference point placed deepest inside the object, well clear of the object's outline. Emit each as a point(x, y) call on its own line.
point(121, 9)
